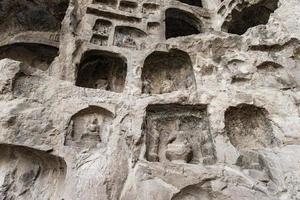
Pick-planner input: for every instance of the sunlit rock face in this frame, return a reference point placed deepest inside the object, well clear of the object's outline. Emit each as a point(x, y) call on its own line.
point(149, 100)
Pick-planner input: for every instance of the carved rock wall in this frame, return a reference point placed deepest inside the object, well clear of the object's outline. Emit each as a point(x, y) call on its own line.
point(150, 100)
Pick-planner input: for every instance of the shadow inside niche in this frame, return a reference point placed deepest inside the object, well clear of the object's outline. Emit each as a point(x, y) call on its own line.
point(34, 55)
point(23, 15)
point(251, 16)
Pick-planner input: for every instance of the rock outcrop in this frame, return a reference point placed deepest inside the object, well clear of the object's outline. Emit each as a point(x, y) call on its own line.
point(150, 99)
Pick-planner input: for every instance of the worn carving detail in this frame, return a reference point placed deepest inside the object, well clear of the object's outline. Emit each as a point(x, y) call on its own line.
point(149, 100)
point(102, 70)
point(35, 55)
point(245, 16)
point(89, 127)
point(167, 72)
point(39, 15)
point(179, 134)
point(248, 127)
point(27, 173)
point(129, 37)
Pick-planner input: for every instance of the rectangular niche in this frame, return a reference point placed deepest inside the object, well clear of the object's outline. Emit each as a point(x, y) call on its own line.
point(128, 6)
point(179, 134)
point(102, 27)
point(111, 3)
point(129, 37)
point(99, 40)
point(150, 8)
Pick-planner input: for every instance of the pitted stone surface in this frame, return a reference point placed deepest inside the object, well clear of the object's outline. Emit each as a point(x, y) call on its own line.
point(150, 100)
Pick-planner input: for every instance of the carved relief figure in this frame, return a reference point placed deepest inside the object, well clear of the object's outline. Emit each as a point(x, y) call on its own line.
point(102, 27)
point(179, 149)
point(178, 134)
point(102, 70)
point(92, 130)
point(175, 72)
point(99, 40)
point(89, 127)
point(129, 37)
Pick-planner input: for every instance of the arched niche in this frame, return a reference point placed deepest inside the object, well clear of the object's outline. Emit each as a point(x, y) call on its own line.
point(250, 16)
point(165, 72)
point(248, 127)
point(89, 127)
point(35, 55)
point(102, 70)
point(181, 23)
point(22, 15)
point(197, 3)
point(129, 37)
point(28, 173)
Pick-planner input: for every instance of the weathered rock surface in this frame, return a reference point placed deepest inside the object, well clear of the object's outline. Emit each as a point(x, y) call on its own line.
point(150, 100)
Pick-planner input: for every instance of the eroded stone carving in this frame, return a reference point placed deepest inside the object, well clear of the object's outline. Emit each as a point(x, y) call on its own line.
point(34, 55)
point(89, 127)
point(153, 27)
point(175, 72)
point(102, 27)
point(27, 173)
point(179, 134)
point(248, 127)
point(102, 70)
point(154, 64)
point(128, 6)
point(181, 23)
point(271, 74)
point(40, 15)
point(129, 37)
point(246, 15)
point(150, 8)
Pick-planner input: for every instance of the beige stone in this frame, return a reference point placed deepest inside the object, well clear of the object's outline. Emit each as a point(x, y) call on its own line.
point(150, 100)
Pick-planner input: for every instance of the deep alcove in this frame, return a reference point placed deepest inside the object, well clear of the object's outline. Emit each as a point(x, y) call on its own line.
point(35, 55)
point(181, 23)
point(23, 15)
point(254, 15)
point(102, 70)
point(248, 127)
point(164, 72)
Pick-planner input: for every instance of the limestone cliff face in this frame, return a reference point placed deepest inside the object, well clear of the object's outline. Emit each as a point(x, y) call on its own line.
point(150, 100)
